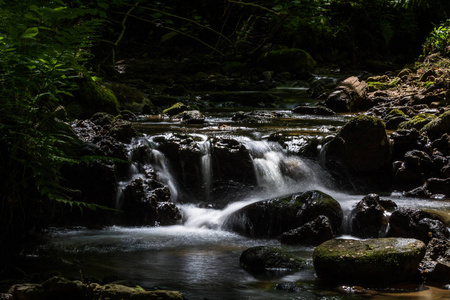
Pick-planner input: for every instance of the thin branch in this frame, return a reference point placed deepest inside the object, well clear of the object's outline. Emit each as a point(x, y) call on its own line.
point(175, 30)
point(256, 6)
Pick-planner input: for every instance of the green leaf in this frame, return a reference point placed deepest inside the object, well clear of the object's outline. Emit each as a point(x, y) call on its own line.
point(30, 33)
point(103, 5)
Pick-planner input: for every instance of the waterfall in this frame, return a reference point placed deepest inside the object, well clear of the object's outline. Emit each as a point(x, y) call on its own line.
point(206, 168)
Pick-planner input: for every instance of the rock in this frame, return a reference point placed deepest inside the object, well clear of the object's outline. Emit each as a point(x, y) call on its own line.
point(257, 116)
point(418, 224)
point(361, 145)
point(359, 155)
point(273, 217)
point(130, 98)
point(370, 262)
point(175, 109)
point(191, 117)
point(435, 267)
point(122, 130)
point(290, 60)
point(312, 233)
point(407, 140)
point(317, 110)
point(438, 126)
point(236, 99)
point(261, 259)
point(438, 186)
point(417, 122)
point(368, 219)
point(121, 292)
point(102, 118)
point(61, 288)
point(349, 96)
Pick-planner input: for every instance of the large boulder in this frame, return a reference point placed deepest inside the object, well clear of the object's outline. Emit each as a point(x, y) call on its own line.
point(260, 259)
point(435, 267)
point(370, 262)
point(418, 224)
point(359, 154)
point(349, 96)
point(271, 218)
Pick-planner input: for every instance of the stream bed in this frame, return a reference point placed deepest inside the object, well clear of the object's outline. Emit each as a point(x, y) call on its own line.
point(198, 257)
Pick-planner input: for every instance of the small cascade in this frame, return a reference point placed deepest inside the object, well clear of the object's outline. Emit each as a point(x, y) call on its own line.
point(161, 165)
point(206, 168)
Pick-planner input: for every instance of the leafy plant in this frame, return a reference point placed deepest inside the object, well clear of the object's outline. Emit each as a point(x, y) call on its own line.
point(42, 51)
point(438, 40)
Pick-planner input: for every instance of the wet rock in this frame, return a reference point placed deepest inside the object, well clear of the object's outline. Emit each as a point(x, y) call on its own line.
point(318, 110)
point(438, 186)
point(368, 217)
point(191, 117)
point(350, 95)
point(122, 130)
point(273, 217)
point(359, 155)
point(418, 224)
point(261, 259)
point(61, 288)
point(102, 118)
point(231, 160)
point(302, 145)
point(417, 122)
point(439, 126)
point(407, 140)
point(129, 97)
point(435, 267)
point(257, 116)
point(312, 233)
point(370, 262)
point(147, 202)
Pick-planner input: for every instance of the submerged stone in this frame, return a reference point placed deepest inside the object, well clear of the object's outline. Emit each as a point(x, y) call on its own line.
point(370, 262)
point(260, 259)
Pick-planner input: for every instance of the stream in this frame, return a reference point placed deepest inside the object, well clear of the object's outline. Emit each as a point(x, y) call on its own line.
point(198, 257)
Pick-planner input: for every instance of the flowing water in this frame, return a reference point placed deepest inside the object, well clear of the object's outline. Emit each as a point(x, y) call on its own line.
point(198, 257)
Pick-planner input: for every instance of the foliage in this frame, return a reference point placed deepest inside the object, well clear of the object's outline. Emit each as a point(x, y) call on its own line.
point(438, 40)
point(42, 51)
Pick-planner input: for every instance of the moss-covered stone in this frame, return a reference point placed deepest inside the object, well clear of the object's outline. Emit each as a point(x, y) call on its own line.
point(380, 86)
point(361, 145)
point(130, 98)
point(93, 97)
point(273, 217)
point(417, 122)
point(176, 109)
point(260, 259)
point(438, 126)
point(369, 262)
point(290, 60)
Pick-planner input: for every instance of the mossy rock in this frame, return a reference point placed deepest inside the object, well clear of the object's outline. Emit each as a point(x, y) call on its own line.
point(271, 218)
point(380, 86)
point(260, 259)
point(360, 146)
point(371, 262)
point(176, 109)
point(94, 97)
point(288, 60)
point(438, 126)
point(417, 122)
point(122, 292)
point(130, 98)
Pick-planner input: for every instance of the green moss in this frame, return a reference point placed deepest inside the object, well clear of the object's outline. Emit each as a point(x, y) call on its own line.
point(417, 122)
point(379, 86)
point(176, 109)
point(395, 113)
point(438, 126)
point(94, 97)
